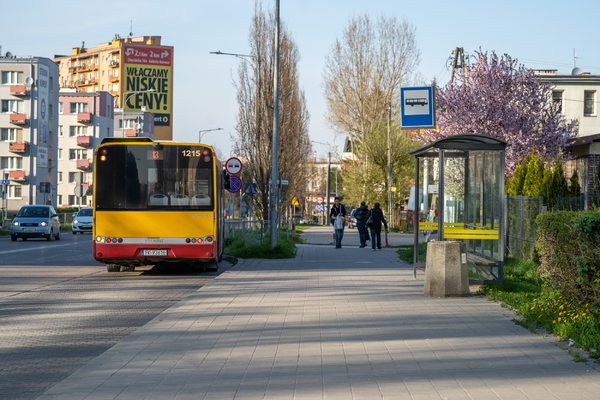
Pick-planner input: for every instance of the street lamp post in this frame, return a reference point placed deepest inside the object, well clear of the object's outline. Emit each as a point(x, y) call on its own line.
point(201, 133)
point(125, 98)
point(328, 179)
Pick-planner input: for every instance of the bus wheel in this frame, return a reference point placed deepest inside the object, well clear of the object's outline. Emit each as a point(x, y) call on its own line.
point(212, 266)
point(113, 267)
point(128, 268)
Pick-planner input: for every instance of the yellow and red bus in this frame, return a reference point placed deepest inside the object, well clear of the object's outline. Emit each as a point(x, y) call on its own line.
point(157, 202)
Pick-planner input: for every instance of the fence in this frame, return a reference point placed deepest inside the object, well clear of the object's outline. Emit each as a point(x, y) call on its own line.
point(255, 232)
point(521, 229)
point(587, 201)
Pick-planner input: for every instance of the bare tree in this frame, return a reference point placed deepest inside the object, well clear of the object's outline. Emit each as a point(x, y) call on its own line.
point(255, 116)
point(362, 77)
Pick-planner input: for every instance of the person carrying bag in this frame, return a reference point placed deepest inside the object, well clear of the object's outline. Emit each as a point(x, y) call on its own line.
point(338, 210)
point(361, 218)
point(374, 220)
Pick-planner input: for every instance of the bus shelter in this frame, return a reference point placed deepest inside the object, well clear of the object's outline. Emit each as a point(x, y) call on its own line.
point(459, 196)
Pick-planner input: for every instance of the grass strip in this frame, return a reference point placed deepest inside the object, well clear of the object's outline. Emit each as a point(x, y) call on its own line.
point(285, 249)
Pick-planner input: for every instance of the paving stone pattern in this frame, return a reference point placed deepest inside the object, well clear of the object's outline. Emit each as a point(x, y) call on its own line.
point(330, 324)
point(49, 332)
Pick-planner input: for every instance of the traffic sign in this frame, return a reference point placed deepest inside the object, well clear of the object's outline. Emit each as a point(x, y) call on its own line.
point(320, 200)
point(233, 166)
point(295, 202)
point(250, 188)
point(417, 107)
point(5, 182)
point(236, 184)
point(80, 190)
point(319, 207)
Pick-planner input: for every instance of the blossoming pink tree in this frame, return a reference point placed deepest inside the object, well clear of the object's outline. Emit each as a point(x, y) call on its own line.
point(500, 98)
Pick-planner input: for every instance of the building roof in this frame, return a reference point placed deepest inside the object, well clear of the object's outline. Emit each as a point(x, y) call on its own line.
point(581, 140)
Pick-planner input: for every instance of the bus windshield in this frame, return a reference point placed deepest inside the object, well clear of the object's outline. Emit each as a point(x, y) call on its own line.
point(143, 177)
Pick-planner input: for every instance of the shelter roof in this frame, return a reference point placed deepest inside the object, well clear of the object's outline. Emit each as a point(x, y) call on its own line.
point(469, 142)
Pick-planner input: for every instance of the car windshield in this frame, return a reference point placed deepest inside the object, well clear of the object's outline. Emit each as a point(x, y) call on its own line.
point(86, 212)
point(34, 212)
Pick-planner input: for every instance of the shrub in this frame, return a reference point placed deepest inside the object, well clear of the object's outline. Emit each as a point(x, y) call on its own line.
point(569, 252)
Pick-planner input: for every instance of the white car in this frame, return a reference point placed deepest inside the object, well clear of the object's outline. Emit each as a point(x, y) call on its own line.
point(83, 221)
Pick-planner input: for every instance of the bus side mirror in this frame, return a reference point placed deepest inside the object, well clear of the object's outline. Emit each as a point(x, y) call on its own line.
point(226, 181)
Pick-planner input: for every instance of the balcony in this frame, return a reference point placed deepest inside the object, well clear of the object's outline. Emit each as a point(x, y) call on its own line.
point(113, 63)
point(72, 69)
point(84, 117)
point(113, 78)
point(18, 119)
point(83, 141)
point(83, 164)
point(18, 176)
point(18, 90)
point(17, 147)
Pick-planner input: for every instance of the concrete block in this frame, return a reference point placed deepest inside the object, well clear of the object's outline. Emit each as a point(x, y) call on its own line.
point(446, 270)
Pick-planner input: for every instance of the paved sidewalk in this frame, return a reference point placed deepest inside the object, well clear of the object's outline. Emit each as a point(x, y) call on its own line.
point(330, 324)
point(323, 235)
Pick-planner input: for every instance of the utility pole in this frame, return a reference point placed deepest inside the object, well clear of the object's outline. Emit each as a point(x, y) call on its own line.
point(328, 188)
point(275, 150)
point(459, 62)
point(390, 167)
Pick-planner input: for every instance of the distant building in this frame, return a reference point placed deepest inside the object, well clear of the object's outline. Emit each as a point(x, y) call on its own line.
point(137, 123)
point(28, 131)
point(577, 96)
point(84, 119)
point(124, 68)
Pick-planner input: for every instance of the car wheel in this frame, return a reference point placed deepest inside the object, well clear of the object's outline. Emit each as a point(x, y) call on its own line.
point(57, 237)
point(49, 236)
point(13, 238)
point(128, 268)
point(113, 267)
point(74, 233)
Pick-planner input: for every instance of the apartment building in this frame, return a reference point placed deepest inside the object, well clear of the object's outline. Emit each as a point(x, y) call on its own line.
point(28, 131)
point(136, 71)
point(84, 119)
point(134, 123)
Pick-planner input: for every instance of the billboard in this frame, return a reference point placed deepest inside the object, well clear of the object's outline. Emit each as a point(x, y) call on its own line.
point(149, 70)
point(43, 88)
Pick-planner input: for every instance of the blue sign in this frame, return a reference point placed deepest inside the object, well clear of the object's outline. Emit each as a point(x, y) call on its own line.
point(250, 188)
point(319, 207)
point(236, 184)
point(5, 182)
point(417, 107)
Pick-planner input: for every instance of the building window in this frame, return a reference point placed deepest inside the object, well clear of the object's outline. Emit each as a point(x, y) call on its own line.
point(12, 106)
point(60, 177)
point(8, 134)
point(557, 98)
point(51, 83)
point(589, 102)
point(50, 113)
point(76, 201)
point(115, 87)
point(77, 154)
point(60, 131)
point(11, 163)
point(79, 107)
point(59, 199)
point(60, 107)
point(77, 131)
point(12, 78)
point(14, 191)
point(60, 154)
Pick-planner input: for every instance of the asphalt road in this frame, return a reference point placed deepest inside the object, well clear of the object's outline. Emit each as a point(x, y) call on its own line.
point(59, 308)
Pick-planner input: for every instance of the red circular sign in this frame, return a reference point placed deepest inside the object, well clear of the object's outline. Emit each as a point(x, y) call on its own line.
point(320, 200)
point(233, 166)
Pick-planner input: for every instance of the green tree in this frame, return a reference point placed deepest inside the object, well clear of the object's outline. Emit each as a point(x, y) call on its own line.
point(575, 187)
point(518, 179)
point(597, 180)
point(533, 185)
point(560, 182)
point(548, 187)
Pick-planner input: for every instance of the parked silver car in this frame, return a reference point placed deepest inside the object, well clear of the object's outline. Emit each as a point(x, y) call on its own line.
point(83, 221)
point(35, 222)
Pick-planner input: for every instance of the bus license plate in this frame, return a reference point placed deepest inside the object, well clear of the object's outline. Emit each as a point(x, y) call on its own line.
point(154, 253)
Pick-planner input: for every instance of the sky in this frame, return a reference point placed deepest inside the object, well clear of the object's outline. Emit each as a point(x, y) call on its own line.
point(541, 35)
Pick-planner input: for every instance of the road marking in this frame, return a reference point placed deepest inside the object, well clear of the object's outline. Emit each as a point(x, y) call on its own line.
point(33, 248)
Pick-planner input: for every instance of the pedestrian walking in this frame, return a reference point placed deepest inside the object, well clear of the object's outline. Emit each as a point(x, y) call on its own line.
point(374, 219)
point(338, 209)
point(361, 217)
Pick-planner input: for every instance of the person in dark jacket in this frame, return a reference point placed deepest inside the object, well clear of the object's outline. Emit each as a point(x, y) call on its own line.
point(337, 209)
point(375, 228)
point(361, 217)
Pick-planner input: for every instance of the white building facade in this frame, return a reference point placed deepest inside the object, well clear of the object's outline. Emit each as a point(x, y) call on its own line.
point(28, 131)
point(84, 120)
